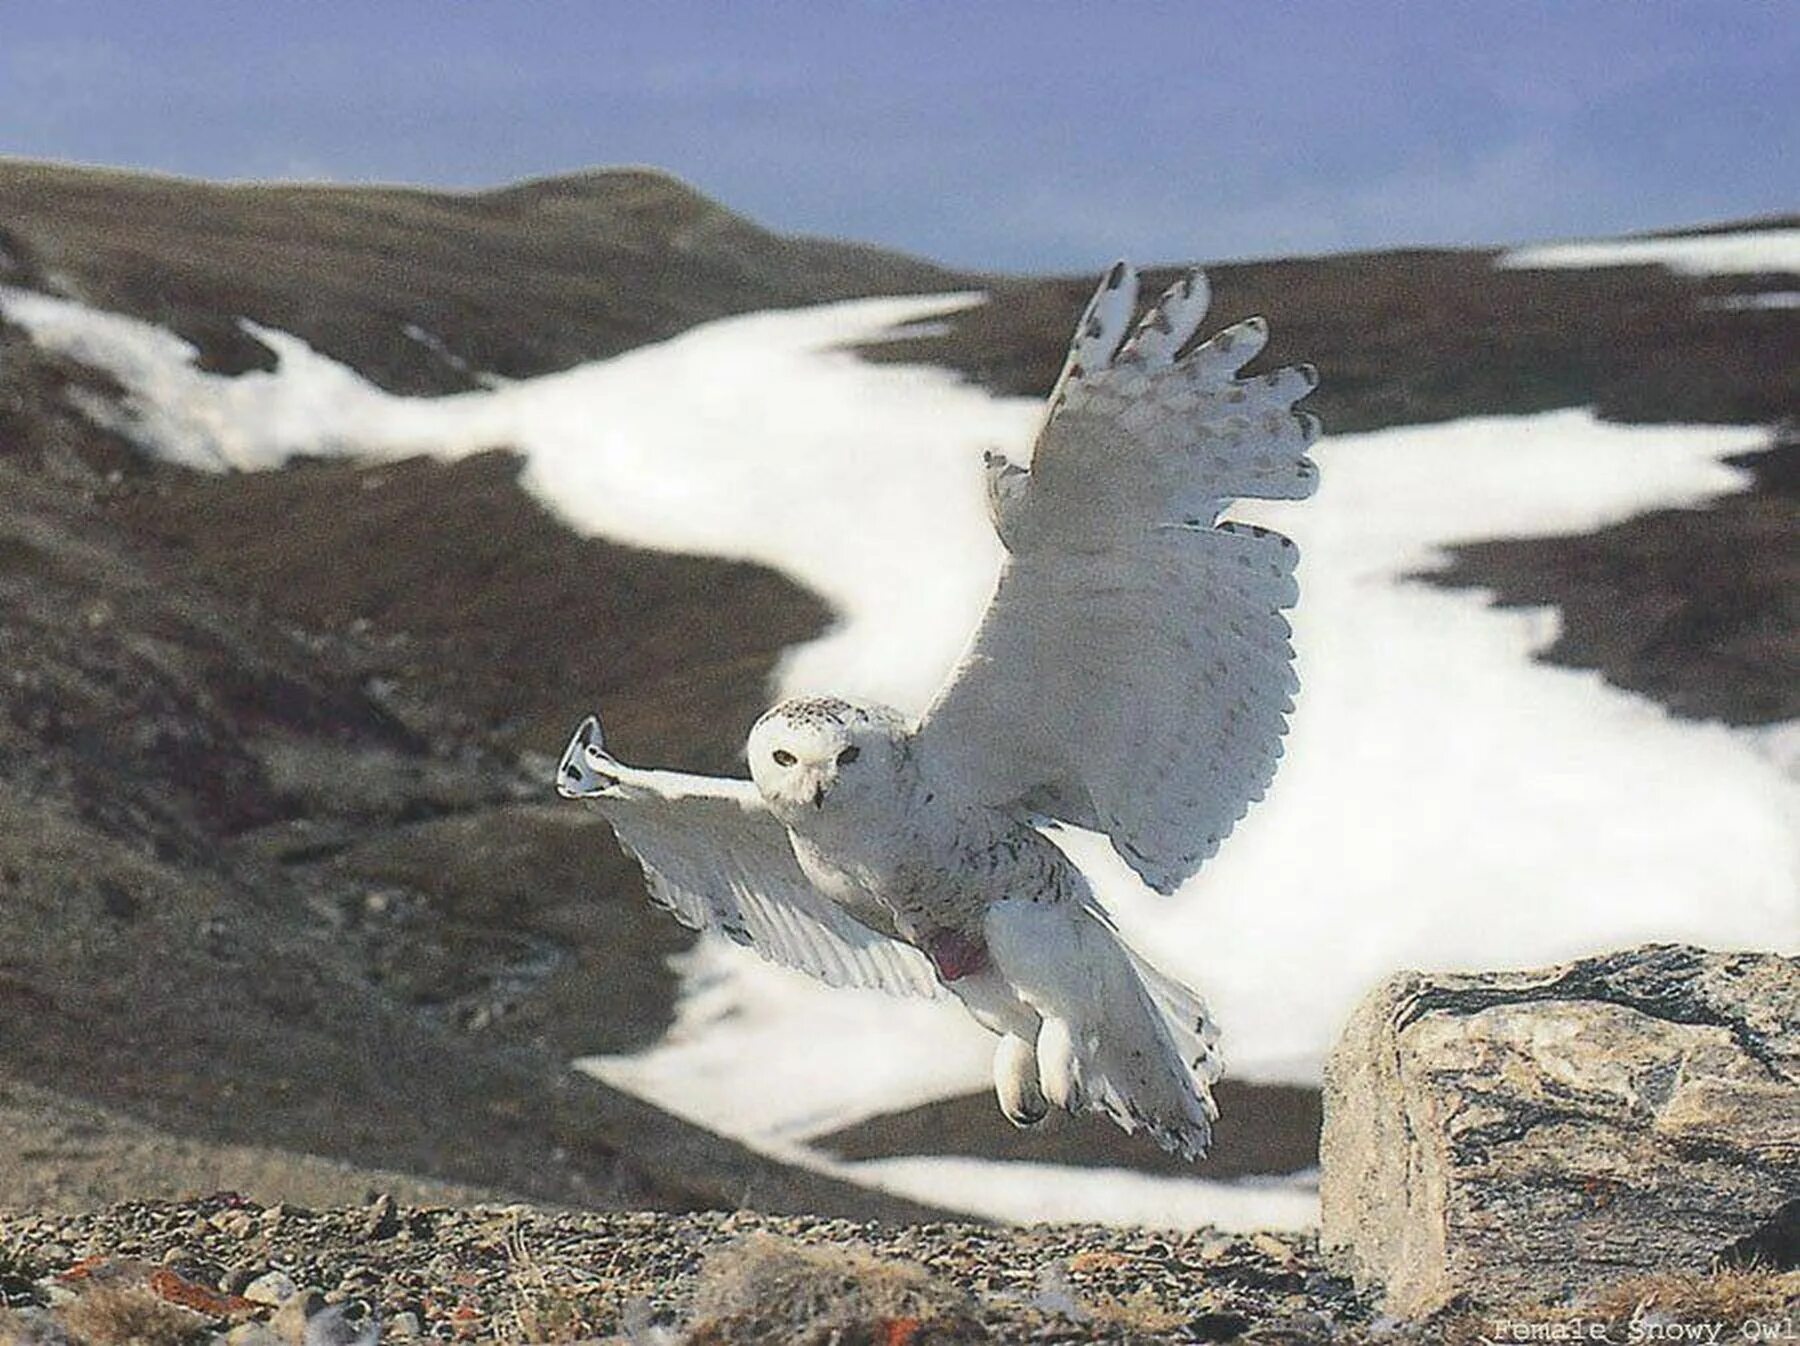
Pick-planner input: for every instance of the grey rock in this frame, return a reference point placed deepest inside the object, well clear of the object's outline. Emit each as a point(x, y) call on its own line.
point(1529, 1136)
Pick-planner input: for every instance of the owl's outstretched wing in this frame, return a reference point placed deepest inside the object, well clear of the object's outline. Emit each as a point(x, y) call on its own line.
point(715, 858)
point(1132, 672)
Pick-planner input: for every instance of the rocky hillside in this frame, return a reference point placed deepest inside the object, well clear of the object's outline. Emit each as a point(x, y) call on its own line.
point(418, 289)
point(273, 873)
point(274, 866)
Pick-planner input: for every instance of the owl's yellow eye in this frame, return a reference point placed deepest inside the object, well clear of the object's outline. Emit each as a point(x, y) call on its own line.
point(849, 755)
point(783, 757)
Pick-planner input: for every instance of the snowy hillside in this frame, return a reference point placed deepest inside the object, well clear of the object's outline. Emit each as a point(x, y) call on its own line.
point(1448, 799)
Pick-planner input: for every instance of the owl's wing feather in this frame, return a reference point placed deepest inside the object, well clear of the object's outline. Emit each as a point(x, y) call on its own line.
point(1132, 672)
point(715, 858)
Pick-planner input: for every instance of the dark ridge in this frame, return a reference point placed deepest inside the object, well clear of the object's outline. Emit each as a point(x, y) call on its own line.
point(1406, 338)
point(519, 281)
point(1698, 609)
point(1750, 225)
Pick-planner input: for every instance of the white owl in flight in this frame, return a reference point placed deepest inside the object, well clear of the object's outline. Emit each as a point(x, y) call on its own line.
point(1132, 675)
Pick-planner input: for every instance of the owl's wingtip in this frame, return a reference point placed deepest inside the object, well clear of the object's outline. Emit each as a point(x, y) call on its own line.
point(578, 774)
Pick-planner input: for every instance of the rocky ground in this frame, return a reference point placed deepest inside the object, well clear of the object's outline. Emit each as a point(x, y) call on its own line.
point(229, 1270)
point(521, 1274)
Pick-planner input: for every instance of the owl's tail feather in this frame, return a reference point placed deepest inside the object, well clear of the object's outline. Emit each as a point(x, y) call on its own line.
point(1119, 1036)
point(1185, 1018)
point(1150, 1067)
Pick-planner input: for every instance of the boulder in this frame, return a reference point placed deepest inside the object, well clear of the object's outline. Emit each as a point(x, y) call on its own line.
point(1522, 1137)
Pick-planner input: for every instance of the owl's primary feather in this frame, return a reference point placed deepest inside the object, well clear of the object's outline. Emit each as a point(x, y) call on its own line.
point(1132, 674)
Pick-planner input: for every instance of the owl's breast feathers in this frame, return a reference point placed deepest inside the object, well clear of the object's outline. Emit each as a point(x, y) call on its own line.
point(931, 876)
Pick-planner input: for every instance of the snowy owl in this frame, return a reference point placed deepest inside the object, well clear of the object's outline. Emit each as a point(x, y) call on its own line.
point(1132, 675)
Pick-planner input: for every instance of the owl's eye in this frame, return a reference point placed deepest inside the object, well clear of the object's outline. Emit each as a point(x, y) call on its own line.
point(783, 757)
point(849, 755)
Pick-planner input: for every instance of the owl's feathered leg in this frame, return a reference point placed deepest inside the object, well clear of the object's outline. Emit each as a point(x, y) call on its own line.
point(987, 996)
point(1016, 1081)
point(1058, 1075)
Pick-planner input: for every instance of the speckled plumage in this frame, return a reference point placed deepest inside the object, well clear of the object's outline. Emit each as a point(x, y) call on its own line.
point(1132, 675)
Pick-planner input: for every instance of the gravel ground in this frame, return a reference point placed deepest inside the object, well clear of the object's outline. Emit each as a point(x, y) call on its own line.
point(520, 1273)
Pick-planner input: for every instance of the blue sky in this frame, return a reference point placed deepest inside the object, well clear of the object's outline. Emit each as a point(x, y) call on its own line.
point(1006, 135)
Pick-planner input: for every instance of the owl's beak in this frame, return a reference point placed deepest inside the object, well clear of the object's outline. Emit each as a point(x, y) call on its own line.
point(819, 795)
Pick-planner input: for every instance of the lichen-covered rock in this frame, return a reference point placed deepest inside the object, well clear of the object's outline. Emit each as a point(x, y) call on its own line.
point(1530, 1135)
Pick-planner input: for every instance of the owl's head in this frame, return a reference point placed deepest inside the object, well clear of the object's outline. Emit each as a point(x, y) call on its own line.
point(815, 757)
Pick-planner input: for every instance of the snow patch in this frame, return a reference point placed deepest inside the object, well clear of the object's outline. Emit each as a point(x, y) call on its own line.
point(1053, 1193)
point(1771, 299)
point(756, 438)
point(735, 1013)
point(1749, 252)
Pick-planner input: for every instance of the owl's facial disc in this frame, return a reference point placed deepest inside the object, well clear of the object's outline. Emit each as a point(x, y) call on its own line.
point(808, 761)
point(800, 764)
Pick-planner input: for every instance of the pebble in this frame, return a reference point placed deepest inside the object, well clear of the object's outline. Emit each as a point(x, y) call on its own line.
point(238, 1276)
point(1271, 1247)
point(237, 1223)
point(335, 1327)
point(272, 1287)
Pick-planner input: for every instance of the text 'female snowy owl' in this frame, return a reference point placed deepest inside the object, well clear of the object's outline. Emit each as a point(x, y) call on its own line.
point(1132, 675)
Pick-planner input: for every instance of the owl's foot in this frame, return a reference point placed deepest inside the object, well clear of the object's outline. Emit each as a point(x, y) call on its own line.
point(955, 955)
